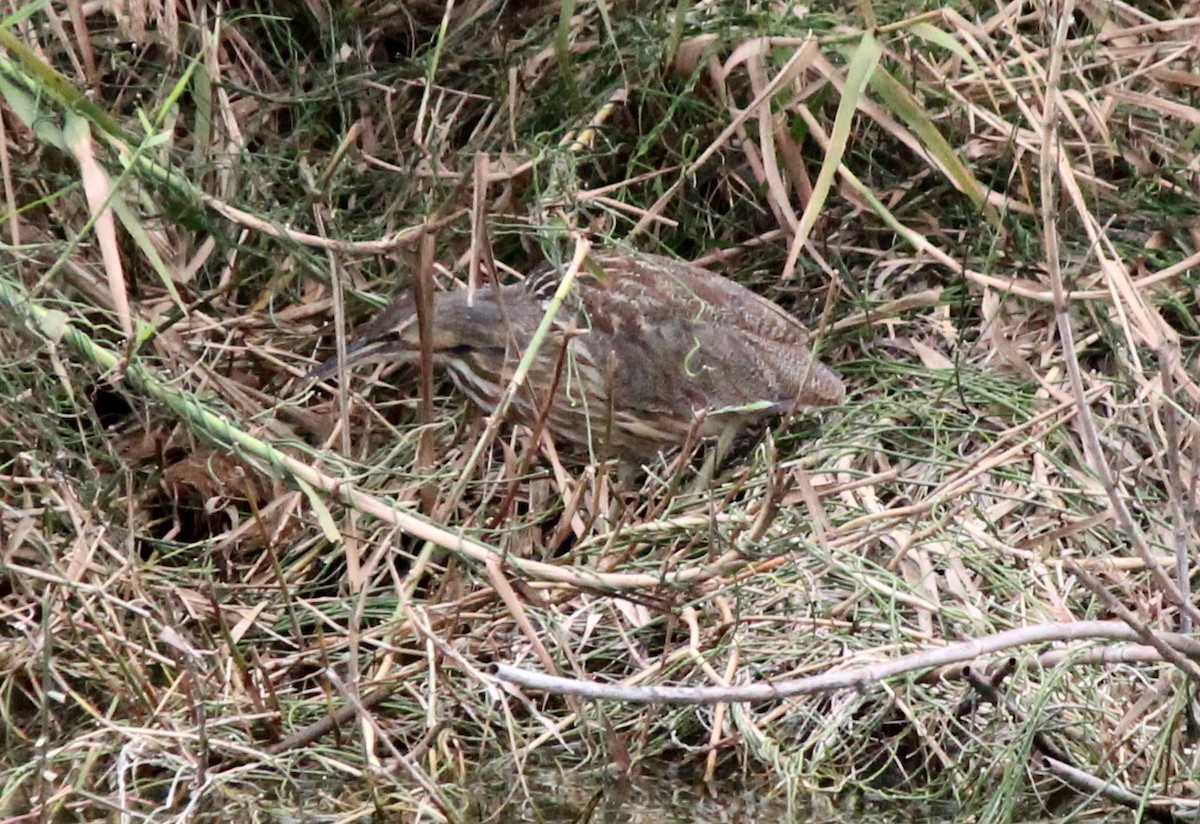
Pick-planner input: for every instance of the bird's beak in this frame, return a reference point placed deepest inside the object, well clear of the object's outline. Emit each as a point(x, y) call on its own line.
point(357, 352)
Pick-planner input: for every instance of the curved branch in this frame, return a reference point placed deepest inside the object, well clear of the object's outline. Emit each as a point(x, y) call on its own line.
point(858, 678)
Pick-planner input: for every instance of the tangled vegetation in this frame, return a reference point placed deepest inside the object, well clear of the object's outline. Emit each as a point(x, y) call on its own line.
point(227, 593)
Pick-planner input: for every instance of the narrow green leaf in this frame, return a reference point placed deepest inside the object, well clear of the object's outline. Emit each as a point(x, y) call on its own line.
point(52, 82)
point(25, 106)
point(177, 91)
point(562, 46)
point(901, 102)
point(142, 238)
point(324, 516)
point(23, 13)
point(945, 40)
point(862, 65)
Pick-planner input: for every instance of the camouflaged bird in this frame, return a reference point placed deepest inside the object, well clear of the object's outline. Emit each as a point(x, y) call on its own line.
point(644, 352)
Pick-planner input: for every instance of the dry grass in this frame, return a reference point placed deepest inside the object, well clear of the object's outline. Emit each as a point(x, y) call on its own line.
point(219, 587)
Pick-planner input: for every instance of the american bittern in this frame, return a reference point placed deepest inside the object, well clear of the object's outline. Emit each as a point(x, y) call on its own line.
point(643, 353)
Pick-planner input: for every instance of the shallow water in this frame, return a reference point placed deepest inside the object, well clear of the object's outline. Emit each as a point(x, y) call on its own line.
point(545, 796)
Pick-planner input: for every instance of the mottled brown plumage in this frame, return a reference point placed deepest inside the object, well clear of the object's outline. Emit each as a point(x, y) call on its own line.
point(644, 351)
